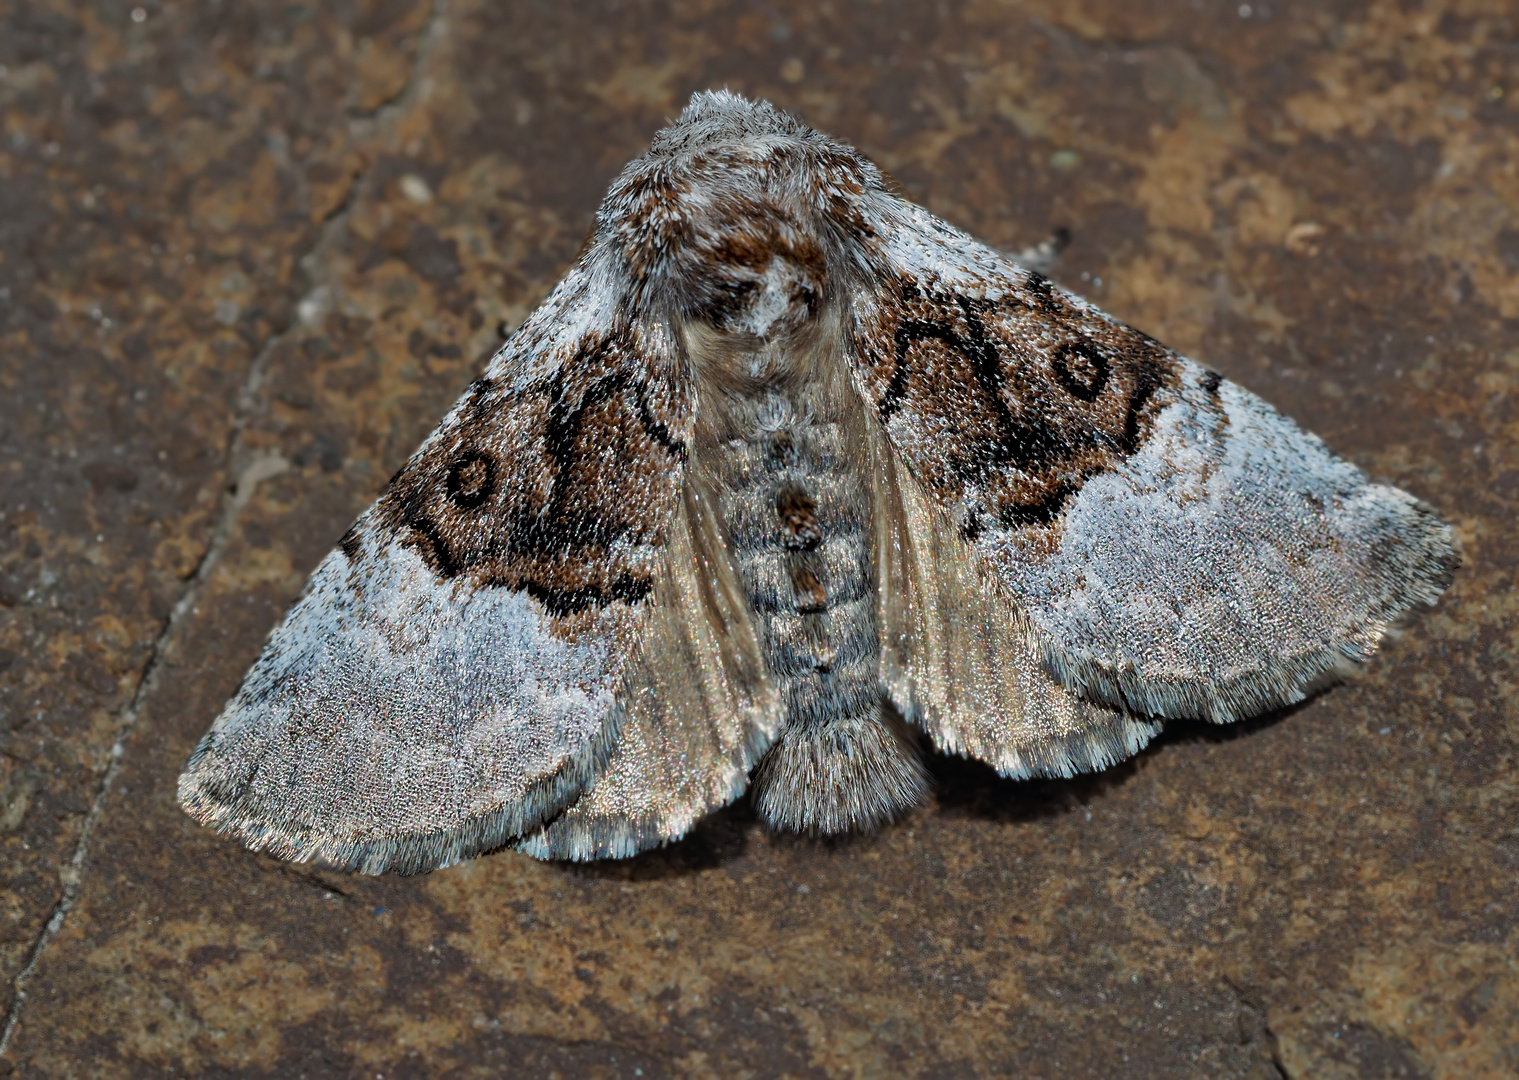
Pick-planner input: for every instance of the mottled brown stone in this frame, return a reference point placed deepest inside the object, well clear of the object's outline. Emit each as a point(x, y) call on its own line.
point(249, 253)
point(158, 188)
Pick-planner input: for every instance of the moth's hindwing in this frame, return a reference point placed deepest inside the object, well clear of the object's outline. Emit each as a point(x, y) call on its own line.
point(699, 708)
point(960, 660)
point(1179, 547)
point(447, 680)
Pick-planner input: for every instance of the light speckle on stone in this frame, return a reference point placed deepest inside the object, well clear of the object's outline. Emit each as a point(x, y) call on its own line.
point(415, 188)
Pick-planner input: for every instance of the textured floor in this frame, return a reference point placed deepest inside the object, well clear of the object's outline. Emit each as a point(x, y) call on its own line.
point(249, 252)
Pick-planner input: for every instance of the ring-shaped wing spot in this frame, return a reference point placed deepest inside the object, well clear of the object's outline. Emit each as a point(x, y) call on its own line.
point(1002, 393)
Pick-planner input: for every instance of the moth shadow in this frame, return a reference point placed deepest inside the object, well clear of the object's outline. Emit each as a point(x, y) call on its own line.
point(1182, 732)
point(966, 787)
point(717, 839)
point(961, 786)
point(971, 788)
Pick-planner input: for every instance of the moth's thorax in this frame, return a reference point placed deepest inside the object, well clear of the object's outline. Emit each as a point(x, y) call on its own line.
point(752, 264)
point(749, 386)
point(735, 219)
point(768, 290)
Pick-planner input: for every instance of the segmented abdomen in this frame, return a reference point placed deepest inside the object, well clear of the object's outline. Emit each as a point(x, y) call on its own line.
point(797, 514)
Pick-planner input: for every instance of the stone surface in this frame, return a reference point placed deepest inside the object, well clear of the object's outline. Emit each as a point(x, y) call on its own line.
point(250, 252)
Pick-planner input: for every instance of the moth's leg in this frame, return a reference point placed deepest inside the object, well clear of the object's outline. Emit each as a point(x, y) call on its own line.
point(1042, 256)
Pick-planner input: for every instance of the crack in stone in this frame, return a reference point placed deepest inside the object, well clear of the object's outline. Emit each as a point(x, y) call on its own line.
point(252, 471)
point(1276, 1050)
point(1246, 997)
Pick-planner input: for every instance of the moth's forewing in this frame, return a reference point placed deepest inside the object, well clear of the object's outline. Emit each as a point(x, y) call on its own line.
point(1179, 547)
point(448, 679)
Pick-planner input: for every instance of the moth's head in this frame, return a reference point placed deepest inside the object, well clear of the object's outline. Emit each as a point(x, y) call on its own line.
point(720, 116)
point(732, 217)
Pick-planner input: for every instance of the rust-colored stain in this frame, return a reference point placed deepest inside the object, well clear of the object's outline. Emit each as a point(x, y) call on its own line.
point(249, 253)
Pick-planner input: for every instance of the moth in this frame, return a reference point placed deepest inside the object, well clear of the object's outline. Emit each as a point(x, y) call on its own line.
point(784, 472)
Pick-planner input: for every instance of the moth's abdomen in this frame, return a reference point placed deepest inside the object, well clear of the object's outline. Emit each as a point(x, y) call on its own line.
point(797, 509)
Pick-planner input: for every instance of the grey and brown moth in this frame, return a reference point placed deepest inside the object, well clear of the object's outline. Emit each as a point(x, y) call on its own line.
point(785, 471)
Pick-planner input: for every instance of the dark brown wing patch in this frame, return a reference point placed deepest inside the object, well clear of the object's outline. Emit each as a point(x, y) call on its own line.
point(595, 450)
point(1018, 398)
